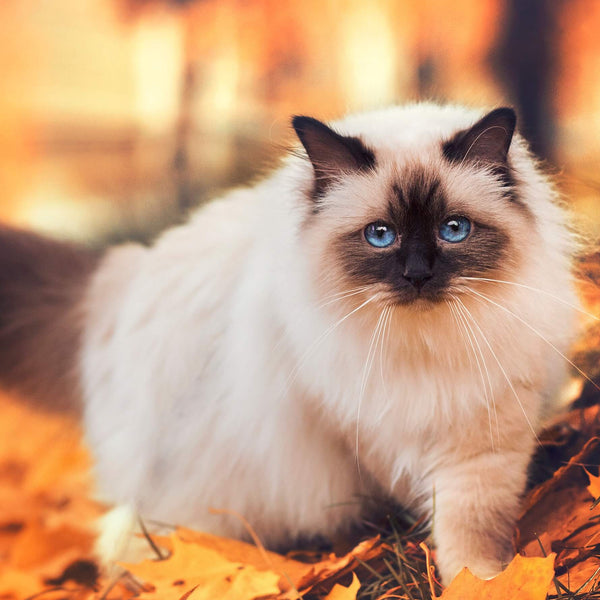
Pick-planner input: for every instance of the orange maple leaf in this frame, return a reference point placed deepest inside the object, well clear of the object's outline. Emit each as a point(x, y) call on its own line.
point(204, 573)
point(524, 579)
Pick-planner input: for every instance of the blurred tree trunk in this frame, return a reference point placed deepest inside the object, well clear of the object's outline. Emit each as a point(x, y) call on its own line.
point(181, 159)
point(526, 61)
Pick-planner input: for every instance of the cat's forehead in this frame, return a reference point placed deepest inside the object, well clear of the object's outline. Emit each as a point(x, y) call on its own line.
point(411, 170)
point(411, 129)
point(406, 183)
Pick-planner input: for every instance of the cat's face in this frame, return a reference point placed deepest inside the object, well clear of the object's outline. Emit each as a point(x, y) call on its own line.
point(411, 229)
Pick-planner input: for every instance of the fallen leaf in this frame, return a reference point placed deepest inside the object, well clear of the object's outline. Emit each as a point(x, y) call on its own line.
point(16, 584)
point(39, 544)
point(335, 567)
point(339, 592)
point(523, 579)
point(561, 505)
point(582, 576)
point(290, 571)
point(294, 575)
point(213, 576)
point(594, 487)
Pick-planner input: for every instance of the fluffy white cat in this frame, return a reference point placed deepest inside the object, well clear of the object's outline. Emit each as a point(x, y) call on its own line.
point(384, 315)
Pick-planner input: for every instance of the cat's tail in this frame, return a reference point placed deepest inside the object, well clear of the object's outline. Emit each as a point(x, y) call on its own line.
point(42, 284)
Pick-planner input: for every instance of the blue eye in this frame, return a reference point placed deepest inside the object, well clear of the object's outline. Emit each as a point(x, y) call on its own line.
point(380, 235)
point(455, 229)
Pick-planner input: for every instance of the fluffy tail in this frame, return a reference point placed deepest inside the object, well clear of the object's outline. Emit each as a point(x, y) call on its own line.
point(42, 283)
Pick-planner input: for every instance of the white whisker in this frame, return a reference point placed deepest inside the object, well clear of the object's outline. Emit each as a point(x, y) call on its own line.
point(341, 296)
point(331, 299)
point(508, 381)
point(487, 393)
point(541, 336)
point(384, 340)
point(363, 383)
point(313, 346)
point(539, 291)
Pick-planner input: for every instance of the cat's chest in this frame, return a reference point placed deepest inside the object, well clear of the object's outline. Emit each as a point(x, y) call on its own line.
point(380, 368)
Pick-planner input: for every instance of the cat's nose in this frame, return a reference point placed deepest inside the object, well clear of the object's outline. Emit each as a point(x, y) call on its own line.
point(417, 278)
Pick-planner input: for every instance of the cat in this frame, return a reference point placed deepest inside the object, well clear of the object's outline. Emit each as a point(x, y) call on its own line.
point(382, 316)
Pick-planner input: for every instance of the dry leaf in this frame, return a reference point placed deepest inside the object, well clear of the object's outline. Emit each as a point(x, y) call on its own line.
point(290, 571)
point(561, 505)
point(16, 584)
point(339, 592)
point(39, 544)
point(336, 567)
point(523, 579)
point(46, 516)
point(582, 575)
point(594, 487)
point(213, 576)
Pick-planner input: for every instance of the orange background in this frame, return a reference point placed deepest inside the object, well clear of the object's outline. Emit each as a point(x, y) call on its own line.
point(114, 114)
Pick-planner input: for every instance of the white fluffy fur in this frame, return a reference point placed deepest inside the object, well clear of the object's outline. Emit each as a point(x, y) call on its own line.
point(209, 382)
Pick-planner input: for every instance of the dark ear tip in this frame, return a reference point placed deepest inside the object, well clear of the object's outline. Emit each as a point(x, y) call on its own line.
point(301, 123)
point(505, 113)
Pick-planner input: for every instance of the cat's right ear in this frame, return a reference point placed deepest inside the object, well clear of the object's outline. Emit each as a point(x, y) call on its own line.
point(330, 153)
point(488, 141)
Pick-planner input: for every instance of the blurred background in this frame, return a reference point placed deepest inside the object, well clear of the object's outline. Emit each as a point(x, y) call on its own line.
point(117, 116)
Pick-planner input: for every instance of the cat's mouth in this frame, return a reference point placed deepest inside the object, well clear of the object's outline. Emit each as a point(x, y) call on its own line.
point(421, 299)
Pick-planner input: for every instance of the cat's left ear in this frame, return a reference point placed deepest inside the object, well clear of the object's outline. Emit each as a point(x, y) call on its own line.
point(488, 141)
point(330, 153)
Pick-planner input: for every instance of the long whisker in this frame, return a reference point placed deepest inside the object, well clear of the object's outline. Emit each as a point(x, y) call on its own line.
point(508, 381)
point(539, 291)
point(331, 299)
point(460, 324)
point(313, 346)
point(384, 340)
point(489, 379)
point(469, 336)
point(340, 296)
point(542, 337)
point(363, 383)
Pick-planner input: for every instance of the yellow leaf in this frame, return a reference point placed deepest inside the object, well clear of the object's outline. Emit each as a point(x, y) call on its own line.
point(289, 570)
point(523, 579)
point(39, 544)
point(16, 584)
point(594, 487)
point(339, 592)
point(213, 576)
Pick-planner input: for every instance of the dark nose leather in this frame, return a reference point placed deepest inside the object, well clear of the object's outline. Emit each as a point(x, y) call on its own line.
point(417, 278)
point(418, 265)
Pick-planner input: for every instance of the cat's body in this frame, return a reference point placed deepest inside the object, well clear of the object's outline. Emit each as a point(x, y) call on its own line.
point(268, 359)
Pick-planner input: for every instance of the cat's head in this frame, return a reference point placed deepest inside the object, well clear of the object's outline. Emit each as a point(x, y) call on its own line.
point(410, 216)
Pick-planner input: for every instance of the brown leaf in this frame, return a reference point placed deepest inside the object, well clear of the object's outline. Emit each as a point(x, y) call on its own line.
point(335, 567)
point(561, 505)
point(524, 578)
point(582, 575)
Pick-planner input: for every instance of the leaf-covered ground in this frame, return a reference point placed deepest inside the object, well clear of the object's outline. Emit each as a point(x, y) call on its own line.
point(47, 518)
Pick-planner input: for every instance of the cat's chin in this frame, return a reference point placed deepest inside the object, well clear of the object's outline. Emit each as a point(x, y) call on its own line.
point(421, 302)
